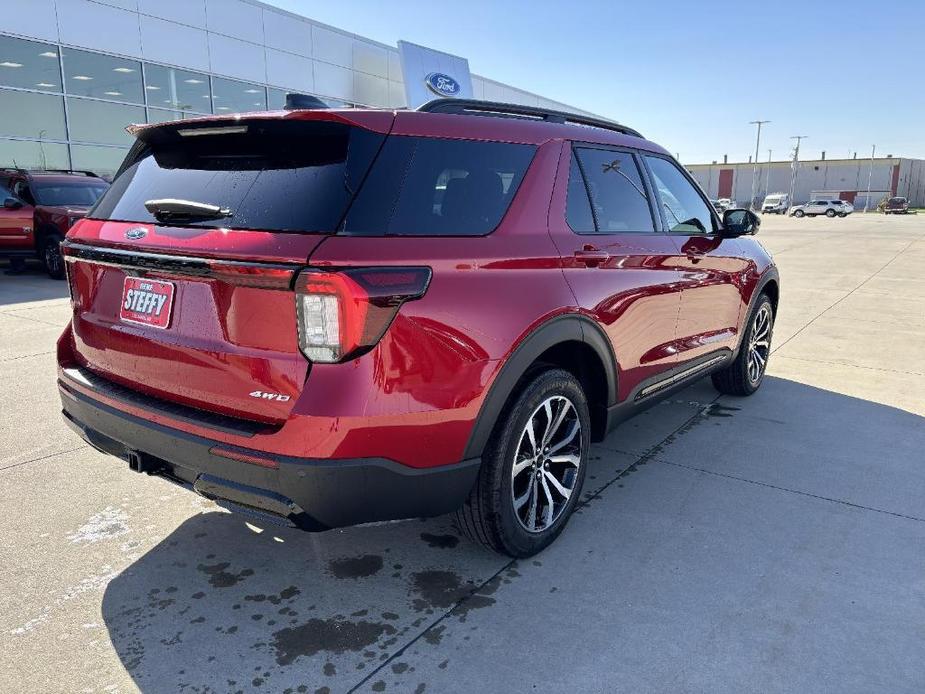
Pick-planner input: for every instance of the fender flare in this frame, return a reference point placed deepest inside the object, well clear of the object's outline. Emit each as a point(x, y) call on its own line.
point(564, 328)
point(771, 274)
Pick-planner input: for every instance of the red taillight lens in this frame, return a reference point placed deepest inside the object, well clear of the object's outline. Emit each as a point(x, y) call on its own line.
point(344, 313)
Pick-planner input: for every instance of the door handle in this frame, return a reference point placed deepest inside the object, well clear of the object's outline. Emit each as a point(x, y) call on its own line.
point(592, 257)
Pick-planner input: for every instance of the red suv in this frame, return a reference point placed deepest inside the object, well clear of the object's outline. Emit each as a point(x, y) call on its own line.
point(334, 317)
point(38, 209)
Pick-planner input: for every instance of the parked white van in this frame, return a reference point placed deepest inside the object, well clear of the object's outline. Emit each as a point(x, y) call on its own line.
point(776, 203)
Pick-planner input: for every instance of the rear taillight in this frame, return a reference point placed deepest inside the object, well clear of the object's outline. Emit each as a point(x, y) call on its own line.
point(343, 314)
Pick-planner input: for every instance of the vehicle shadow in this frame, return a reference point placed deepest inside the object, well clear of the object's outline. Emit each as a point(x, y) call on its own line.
point(224, 605)
point(32, 284)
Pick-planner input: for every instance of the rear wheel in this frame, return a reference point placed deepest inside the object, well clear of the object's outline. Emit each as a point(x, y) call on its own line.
point(799, 213)
point(533, 468)
point(830, 213)
point(744, 375)
point(51, 256)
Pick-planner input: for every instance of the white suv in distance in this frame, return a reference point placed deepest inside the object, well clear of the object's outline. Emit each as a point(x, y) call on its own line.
point(830, 208)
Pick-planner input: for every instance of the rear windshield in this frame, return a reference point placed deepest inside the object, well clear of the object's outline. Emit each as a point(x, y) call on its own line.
point(271, 175)
point(435, 187)
point(58, 194)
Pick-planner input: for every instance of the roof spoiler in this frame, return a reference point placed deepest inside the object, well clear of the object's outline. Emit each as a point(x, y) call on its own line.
point(295, 101)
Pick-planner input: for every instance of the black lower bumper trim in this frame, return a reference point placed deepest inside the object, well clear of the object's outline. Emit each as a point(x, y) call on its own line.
point(313, 494)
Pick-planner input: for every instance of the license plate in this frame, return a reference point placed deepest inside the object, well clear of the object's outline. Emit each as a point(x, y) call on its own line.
point(147, 302)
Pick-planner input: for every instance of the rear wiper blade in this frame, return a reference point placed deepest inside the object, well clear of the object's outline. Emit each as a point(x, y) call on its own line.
point(171, 209)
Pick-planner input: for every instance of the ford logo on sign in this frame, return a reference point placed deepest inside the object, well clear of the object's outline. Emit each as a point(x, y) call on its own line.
point(442, 85)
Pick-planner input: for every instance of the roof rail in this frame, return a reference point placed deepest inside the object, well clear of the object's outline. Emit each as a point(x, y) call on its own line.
point(67, 171)
point(22, 170)
point(477, 107)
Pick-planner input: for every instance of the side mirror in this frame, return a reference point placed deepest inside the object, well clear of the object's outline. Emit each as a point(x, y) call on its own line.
point(739, 222)
point(11, 204)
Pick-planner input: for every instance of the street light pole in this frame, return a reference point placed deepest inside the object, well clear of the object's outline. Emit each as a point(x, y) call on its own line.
point(759, 123)
point(793, 166)
point(870, 172)
point(767, 179)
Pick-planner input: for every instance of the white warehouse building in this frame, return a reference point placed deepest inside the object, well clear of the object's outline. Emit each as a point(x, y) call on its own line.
point(839, 179)
point(74, 73)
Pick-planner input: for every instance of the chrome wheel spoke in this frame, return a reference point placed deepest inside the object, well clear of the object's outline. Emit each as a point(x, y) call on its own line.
point(547, 406)
point(551, 479)
point(569, 437)
point(549, 514)
point(531, 436)
point(563, 411)
point(521, 466)
point(531, 514)
point(569, 458)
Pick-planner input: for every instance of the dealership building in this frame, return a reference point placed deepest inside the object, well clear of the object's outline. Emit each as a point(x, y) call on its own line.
point(74, 73)
point(838, 179)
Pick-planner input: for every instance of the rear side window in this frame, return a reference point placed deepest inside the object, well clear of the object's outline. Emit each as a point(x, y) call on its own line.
point(274, 175)
point(422, 186)
point(618, 197)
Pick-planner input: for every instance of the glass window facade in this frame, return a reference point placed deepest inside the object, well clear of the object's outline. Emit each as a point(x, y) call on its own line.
point(102, 76)
point(181, 90)
point(26, 114)
point(104, 161)
point(64, 107)
point(29, 65)
point(231, 96)
point(100, 122)
point(27, 154)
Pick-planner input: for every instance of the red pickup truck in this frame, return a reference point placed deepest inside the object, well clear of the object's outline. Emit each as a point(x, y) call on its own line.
point(38, 209)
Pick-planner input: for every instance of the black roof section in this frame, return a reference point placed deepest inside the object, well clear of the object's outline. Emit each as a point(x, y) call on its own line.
point(476, 107)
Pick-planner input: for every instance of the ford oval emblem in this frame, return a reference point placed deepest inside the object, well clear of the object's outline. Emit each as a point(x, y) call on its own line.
point(136, 233)
point(442, 85)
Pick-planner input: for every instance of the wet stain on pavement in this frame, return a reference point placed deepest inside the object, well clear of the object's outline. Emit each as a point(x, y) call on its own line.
point(329, 635)
point(355, 567)
point(220, 578)
point(440, 541)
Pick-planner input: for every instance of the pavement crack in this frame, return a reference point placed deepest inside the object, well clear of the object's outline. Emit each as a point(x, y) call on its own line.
point(43, 457)
point(791, 491)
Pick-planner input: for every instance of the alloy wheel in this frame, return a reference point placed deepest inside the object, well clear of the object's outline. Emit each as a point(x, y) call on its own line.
point(53, 257)
point(546, 462)
point(759, 343)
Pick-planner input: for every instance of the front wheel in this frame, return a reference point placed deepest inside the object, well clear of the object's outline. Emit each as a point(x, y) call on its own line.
point(744, 375)
point(799, 213)
point(533, 468)
point(52, 258)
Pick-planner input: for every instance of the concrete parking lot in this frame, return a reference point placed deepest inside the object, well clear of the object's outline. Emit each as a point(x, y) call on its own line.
point(775, 543)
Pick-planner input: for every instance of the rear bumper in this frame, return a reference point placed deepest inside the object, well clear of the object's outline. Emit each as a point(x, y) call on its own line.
point(311, 494)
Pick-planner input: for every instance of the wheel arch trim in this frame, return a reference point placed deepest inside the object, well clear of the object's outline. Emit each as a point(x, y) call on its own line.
point(560, 329)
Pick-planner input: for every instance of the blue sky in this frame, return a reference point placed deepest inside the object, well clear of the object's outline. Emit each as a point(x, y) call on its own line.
point(689, 75)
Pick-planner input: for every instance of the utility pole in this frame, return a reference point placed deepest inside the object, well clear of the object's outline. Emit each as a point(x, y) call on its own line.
point(870, 172)
point(793, 165)
point(759, 123)
point(767, 179)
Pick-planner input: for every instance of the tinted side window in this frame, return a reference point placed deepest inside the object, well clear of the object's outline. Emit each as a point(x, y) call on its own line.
point(578, 205)
point(617, 193)
point(420, 186)
point(684, 208)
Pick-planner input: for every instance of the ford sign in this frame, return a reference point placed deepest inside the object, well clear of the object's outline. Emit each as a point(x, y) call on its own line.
point(442, 85)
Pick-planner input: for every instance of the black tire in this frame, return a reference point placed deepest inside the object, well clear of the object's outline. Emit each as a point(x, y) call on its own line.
point(830, 213)
point(799, 213)
point(735, 378)
point(52, 258)
point(488, 516)
point(842, 214)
